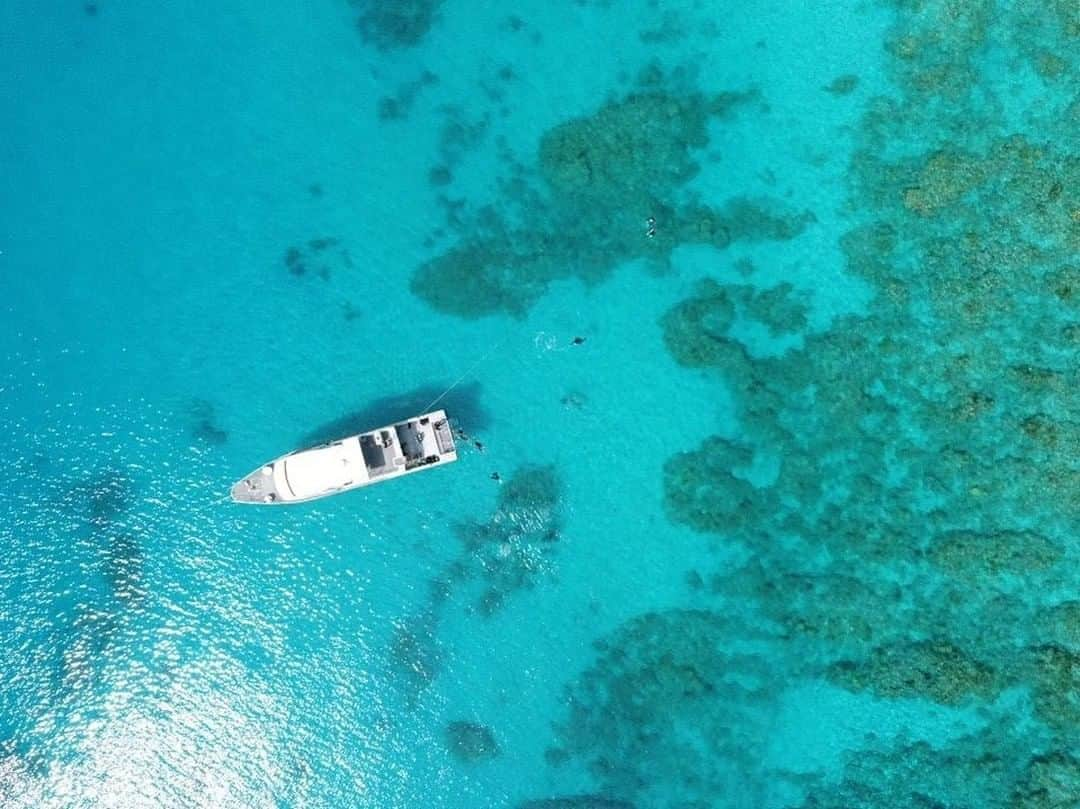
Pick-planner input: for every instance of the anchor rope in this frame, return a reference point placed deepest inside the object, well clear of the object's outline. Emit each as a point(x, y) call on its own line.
point(464, 376)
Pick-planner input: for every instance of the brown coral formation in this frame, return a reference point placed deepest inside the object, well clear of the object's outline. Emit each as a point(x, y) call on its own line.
point(904, 438)
point(470, 742)
point(978, 555)
point(1056, 678)
point(401, 24)
point(913, 534)
point(921, 520)
point(609, 192)
point(938, 670)
point(671, 701)
point(989, 768)
point(1052, 781)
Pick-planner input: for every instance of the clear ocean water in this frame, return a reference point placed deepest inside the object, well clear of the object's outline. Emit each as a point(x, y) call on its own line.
point(795, 525)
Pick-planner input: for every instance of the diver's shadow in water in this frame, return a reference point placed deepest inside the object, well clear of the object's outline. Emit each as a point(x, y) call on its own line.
point(462, 405)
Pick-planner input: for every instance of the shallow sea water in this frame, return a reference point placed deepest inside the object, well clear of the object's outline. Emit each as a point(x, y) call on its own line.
point(795, 526)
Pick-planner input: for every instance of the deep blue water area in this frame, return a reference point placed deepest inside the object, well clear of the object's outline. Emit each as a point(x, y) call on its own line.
point(792, 526)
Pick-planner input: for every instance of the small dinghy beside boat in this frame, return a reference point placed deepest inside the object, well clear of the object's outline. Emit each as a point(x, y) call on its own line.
point(350, 463)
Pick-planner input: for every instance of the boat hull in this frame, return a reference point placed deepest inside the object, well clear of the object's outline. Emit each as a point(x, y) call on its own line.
point(355, 462)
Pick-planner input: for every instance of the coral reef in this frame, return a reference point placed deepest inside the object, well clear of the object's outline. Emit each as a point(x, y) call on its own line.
point(979, 555)
point(1051, 782)
point(470, 742)
point(672, 713)
point(704, 488)
point(123, 568)
point(977, 770)
point(576, 802)
point(1060, 625)
point(937, 670)
point(915, 521)
point(603, 179)
point(317, 257)
point(507, 553)
point(414, 653)
point(1055, 672)
point(398, 106)
point(698, 330)
point(514, 547)
point(206, 428)
point(839, 611)
point(843, 85)
point(401, 24)
point(929, 441)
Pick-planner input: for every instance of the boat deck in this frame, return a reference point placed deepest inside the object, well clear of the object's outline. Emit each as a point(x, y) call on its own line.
point(349, 463)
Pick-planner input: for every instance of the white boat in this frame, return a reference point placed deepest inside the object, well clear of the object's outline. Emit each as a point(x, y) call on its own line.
point(349, 463)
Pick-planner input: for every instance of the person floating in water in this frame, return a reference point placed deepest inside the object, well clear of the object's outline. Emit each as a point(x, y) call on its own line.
point(577, 341)
point(496, 477)
point(479, 445)
point(650, 227)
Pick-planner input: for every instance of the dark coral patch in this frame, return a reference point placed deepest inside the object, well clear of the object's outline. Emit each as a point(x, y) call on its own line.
point(1055, 671)
point(205, 423)
point(989, 768)
point(934, 670)
point(400, 104)
point(576, 802)
point(514, 547)
point(978, 555)
point(123, 568)
point(1051, 781)
point(415, 655)
point(317, 257)
point(398, 24)
point(696, 330)
point(674, 705)
point(470, 741)
point(843, 85)
point(705, 489)
point(439, 176)
point(609, 193)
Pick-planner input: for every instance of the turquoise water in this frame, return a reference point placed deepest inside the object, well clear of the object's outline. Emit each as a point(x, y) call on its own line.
point(795, 526)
